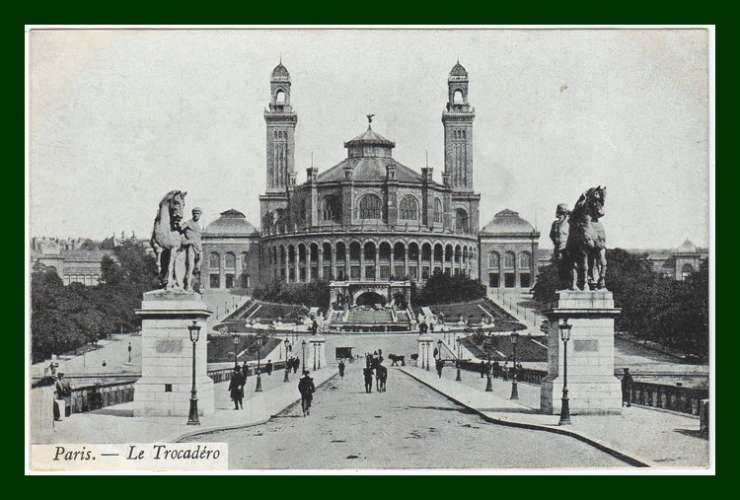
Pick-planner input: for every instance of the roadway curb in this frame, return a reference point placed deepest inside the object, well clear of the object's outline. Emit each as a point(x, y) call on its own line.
point(217, 428)
point(629, 459)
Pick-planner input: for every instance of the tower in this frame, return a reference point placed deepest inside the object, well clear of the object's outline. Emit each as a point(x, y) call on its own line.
point(281, 122)
point(457, 119)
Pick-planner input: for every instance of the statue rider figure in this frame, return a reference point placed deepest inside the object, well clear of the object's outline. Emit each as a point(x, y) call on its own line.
point(191, 239)
point(559, 237)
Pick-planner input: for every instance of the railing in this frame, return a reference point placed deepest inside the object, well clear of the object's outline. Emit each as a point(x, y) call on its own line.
point(93, 397)
point(680, 399)
point(224, 374)
point(527, 375)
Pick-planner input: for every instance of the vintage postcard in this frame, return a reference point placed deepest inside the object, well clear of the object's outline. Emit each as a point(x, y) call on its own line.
point(366, 249)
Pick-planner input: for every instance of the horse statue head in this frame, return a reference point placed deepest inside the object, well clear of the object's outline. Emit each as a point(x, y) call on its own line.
point(590, 205)
point(167, 239)
point(172, 207)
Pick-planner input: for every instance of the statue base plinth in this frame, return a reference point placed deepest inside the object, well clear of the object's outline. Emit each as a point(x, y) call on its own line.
point(164, 388)
point(592, 386)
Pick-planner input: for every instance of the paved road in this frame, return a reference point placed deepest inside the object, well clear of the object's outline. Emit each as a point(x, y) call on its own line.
point(408, 426)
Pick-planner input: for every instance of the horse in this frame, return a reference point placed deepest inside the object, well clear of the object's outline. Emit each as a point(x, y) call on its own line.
point(167, 238)
point(381, 375)
point(586, 244)
point(395, 358)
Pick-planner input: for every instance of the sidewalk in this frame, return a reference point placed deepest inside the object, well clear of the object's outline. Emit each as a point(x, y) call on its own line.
point(115, 424)
point(640, 436)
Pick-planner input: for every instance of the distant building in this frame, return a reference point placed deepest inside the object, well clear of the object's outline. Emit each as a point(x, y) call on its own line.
point(368, 223)
point(72, 262)
point(508, 245)
point(678, 263)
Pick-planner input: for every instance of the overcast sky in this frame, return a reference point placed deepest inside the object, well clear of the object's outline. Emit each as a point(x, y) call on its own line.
point(118, 118)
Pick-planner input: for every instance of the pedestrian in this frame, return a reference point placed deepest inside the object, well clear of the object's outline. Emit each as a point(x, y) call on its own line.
point(341, 368)
point(368, 374)
point(245, 371)
point(296, 365)
point(505, 371)
point(482, 369)
point(236, 388)
point(268, 367)
point(496, 369)
point(626, 387)
point(306, 388)
point(440, 363)
point(64, 393)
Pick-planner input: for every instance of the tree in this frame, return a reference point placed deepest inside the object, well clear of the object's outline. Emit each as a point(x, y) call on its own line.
point(654, 307)
point(442, 289)
point(63, 318)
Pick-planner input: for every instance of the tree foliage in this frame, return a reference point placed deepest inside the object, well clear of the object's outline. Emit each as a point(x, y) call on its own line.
point(64, 318)
point(654, 307)
point(314, 294)
point(443, 289)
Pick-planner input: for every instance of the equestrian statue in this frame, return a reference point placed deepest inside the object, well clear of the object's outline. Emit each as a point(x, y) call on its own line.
point(173, 245)
point(580, 248)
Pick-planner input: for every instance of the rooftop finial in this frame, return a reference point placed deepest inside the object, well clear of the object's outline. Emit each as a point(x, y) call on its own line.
point(426, 154)
point(281, 58)
point(370, 120)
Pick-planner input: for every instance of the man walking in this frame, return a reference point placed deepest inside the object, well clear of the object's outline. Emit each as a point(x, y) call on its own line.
point(626, 387)
point(236, 388)
point(440, 363)
point(341, 368)
point(268, 367)
point(306, 388)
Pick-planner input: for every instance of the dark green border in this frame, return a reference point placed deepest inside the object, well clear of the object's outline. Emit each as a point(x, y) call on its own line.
point(153, 12)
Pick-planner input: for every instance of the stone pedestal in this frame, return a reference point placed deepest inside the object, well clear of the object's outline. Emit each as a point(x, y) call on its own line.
point(425, 350)
point(592, 386)
point(167, 355)
point(316, 355)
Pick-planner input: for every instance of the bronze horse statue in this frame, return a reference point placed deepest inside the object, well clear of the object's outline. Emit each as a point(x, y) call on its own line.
point(585, 249)
point(167, 241)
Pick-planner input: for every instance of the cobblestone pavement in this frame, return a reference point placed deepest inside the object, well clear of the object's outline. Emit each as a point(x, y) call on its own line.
point(408, 426)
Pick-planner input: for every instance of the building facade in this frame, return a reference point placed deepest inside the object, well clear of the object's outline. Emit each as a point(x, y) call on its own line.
point(678, 263)
point(368, 218)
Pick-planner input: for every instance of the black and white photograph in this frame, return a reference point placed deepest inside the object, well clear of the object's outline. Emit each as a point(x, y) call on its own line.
point(370, 250)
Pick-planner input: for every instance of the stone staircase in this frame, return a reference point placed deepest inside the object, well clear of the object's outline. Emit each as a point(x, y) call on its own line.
point(520, 305)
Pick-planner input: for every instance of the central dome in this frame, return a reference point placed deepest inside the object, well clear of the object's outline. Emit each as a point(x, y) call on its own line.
point(369, 144)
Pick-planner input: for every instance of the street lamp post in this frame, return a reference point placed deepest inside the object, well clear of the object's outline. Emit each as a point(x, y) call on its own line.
point(489, 385)
point(287, 343)
point(235, 338)
point(514, 390)
point(303, 351)
point(459, 353)
point(439, 353)
point(258, 387)
point(426, 354)
point(194, 331)
point(565, 403)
